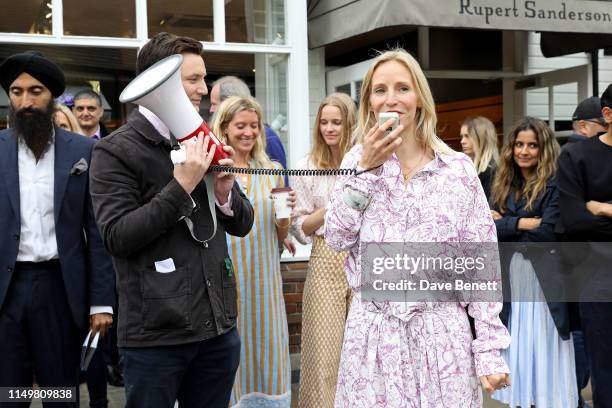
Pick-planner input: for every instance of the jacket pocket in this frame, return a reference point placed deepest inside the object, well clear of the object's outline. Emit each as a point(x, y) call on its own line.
point(229, 288)
point(166, 301)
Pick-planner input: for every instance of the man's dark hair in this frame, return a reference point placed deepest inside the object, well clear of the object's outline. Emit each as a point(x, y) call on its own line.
point(606, 98)
point(163, 45)
point(88, 94)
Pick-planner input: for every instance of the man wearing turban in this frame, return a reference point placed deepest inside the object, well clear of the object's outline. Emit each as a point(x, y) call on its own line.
point(55, 273)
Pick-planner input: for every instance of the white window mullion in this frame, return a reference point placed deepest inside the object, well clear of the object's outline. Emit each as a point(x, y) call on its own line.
point(295, 14)
point(57, 18)
point(297, 72)
point(219, 21)
point(142, 21)
point(246, 48)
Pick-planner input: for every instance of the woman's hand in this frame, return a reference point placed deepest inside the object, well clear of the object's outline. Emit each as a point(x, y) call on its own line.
point(526, 224)
point(496, 216)
point(494, 382)
point(291, 199)
point(314, 221)
point(377, 148)
point(290, 246)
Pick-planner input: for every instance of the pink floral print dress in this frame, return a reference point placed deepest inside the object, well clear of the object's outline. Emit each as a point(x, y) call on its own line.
point(414, 355)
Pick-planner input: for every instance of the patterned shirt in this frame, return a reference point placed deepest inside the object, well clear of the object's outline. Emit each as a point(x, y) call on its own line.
point(312, 193)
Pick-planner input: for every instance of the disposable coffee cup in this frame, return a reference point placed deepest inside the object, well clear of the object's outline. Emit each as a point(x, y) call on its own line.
point(279, 197)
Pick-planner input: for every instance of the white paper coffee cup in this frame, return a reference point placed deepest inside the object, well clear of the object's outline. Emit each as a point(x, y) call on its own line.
point(279, 198)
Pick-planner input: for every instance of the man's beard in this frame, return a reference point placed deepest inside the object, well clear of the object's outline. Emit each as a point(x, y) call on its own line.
point(33, 126)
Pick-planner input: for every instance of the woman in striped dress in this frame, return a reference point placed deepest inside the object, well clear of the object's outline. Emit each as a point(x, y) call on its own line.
point(264, 374)
point(326, 292)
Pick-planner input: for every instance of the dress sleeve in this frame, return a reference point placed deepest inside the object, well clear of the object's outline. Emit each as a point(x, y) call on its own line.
point(343, 222)
point(491, 338)
point(491, 335)
point(304, 205)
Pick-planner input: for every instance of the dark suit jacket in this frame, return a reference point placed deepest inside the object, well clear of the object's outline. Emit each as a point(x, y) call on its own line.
point(86, 266)
point(103, 130)
point(139, 207)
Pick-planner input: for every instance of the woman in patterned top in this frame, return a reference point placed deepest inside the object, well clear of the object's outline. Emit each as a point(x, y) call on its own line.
point(264, 374)
point(326, 292)
point(420, 354)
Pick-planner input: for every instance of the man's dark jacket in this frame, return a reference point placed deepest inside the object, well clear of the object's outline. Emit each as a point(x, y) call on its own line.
point(572, 139)
point(86, 266)
point(139, 208)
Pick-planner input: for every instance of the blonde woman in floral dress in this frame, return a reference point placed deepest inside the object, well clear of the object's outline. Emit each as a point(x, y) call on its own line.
point(416, 189)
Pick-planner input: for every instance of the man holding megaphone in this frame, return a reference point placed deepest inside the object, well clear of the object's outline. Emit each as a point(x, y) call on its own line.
point(165, 226)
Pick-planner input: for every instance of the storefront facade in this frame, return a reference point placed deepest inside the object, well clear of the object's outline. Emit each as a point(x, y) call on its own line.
point(480, 56)
point(96, 42)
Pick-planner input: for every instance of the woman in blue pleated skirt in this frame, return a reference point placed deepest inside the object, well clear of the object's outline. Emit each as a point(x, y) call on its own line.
point(525, 209)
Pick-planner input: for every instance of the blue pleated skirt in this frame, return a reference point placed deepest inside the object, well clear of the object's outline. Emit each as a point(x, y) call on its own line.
point(542, 366)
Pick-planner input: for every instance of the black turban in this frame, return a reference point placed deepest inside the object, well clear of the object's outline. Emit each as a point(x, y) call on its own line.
point(35, 64)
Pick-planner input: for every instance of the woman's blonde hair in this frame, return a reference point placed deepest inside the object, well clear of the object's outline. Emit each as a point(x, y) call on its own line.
point(483, 136)
point(320, 154)
point(74, 124)
point(508, 178)
point(425, 119)
point(226, 112)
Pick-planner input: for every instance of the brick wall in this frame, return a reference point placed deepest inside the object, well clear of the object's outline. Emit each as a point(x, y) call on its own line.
point(294, 275)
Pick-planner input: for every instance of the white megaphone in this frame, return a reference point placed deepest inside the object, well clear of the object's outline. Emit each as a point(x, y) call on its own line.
point(160, 90)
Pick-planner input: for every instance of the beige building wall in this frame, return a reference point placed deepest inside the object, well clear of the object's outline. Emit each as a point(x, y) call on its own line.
point(566, 97)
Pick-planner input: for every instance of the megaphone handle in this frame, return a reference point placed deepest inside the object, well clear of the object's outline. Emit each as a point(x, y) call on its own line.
point(219, 152)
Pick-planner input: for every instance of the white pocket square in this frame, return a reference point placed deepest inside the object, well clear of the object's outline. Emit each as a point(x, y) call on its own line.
point(165, 266)
point(79, 167)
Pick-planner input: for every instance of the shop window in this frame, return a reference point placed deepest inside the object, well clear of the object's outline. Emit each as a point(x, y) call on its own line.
point(191, 18)
point(27, 16)
point(346, 88)
point(266, 76)
point(255, 21)
point(108, 18)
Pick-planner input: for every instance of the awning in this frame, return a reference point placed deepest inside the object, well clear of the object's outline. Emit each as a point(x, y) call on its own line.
point(558, 44)
point(333, 20)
